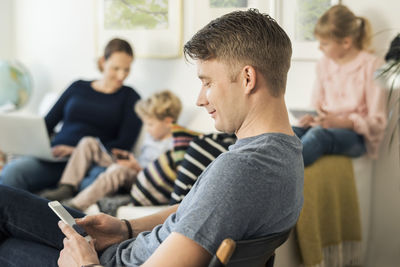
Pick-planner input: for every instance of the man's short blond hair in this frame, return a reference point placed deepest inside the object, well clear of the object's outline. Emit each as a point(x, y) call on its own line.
point(160, 105)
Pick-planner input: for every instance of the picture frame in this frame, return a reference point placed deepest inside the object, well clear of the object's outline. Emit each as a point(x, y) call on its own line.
point(298, 18)
point(153, 28)
point(207, 10)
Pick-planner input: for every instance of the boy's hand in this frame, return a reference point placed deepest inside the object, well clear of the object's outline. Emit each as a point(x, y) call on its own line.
point(120, 154)
point(105, 229)
point(130, 163)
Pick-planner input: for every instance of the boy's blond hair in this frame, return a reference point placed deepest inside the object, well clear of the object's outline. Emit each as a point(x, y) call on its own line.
point(160, 105)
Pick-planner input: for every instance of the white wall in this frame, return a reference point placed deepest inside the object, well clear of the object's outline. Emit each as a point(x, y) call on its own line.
point(55, 39)
point(384, 245)
point(6, 29)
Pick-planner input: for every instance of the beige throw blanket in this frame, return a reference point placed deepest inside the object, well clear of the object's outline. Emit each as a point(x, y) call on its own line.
point(329, 229)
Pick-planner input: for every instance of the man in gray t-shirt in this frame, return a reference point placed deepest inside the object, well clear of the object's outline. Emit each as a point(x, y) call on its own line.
point(245, 193)
point(253, 190)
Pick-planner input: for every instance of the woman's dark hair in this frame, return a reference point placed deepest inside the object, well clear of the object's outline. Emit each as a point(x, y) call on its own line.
point(116, 45)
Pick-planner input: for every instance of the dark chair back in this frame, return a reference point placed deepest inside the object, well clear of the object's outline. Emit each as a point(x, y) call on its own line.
point(254, 252)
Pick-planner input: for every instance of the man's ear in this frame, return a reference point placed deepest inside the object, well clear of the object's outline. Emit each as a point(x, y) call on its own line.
point(249, 78)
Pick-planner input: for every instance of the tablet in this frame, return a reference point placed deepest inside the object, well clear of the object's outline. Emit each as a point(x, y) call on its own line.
point(298, 113)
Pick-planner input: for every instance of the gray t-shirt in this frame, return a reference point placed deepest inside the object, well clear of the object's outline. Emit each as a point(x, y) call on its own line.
point(253, 190)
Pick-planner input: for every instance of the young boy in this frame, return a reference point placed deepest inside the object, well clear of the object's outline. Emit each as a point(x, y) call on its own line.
point(158, 113)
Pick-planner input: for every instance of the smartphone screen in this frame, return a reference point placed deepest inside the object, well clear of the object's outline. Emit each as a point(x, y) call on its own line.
point(67, 218)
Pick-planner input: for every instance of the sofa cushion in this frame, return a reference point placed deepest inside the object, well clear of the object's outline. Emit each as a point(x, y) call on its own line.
point(156, 182)
point(201, 152)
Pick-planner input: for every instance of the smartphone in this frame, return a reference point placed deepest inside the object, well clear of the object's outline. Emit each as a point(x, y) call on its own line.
point(67, 218)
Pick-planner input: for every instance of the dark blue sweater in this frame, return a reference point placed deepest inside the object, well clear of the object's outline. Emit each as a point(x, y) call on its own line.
point(86, 112)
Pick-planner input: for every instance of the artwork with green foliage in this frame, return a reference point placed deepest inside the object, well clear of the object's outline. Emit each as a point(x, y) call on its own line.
point(228, 3)
point(135, 14)
point(307, 14)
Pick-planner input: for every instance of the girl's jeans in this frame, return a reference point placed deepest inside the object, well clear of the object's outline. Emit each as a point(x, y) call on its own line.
point(318, 141)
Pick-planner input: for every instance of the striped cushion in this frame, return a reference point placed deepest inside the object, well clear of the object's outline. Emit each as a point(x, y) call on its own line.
point(201, 152)
point(156, 182)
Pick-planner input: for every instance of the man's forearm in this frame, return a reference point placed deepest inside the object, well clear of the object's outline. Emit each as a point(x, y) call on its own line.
point(147, 223)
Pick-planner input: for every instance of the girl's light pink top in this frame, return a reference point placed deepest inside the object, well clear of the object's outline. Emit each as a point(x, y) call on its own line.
point(350, 90)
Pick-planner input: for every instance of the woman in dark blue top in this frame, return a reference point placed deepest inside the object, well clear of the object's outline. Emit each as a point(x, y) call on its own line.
point(102, 108)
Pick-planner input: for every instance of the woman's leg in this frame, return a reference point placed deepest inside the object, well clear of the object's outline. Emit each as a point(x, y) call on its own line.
point(25, 219)
point(31, 174)
point(108, 182)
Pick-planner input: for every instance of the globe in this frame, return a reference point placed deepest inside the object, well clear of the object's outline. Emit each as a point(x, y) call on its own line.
point(15, 85)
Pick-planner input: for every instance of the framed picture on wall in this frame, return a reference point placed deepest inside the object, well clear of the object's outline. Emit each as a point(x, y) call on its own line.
point(298, 18)
point(153, 27)
point(207, 10)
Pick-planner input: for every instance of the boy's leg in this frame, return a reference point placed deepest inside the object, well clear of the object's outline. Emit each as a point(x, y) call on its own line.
point(108, 182)
point(87, 153)
point(27, 217)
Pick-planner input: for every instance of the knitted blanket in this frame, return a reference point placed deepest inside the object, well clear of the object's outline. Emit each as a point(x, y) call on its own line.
point(329, 229)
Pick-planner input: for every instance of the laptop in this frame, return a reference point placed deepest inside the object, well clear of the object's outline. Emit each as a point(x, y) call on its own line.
point(25, 134)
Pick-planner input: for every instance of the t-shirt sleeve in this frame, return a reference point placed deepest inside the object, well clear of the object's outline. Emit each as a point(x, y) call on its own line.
point(231, 202)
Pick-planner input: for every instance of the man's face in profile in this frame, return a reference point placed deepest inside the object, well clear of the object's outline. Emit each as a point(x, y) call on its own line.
point(219, 95)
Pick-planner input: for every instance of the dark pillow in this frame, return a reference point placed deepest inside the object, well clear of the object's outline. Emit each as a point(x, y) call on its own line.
point(156, 182)
point(201, 152)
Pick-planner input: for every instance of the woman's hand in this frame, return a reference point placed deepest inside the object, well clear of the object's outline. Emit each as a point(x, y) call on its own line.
point(105, 229)
point(77, 251)
point(61, 151)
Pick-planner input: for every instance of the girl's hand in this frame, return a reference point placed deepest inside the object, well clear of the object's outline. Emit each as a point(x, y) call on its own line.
point(328, 120)
point(77, 251)
point(61, 151)
point(306, 121)
point(105, 229)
